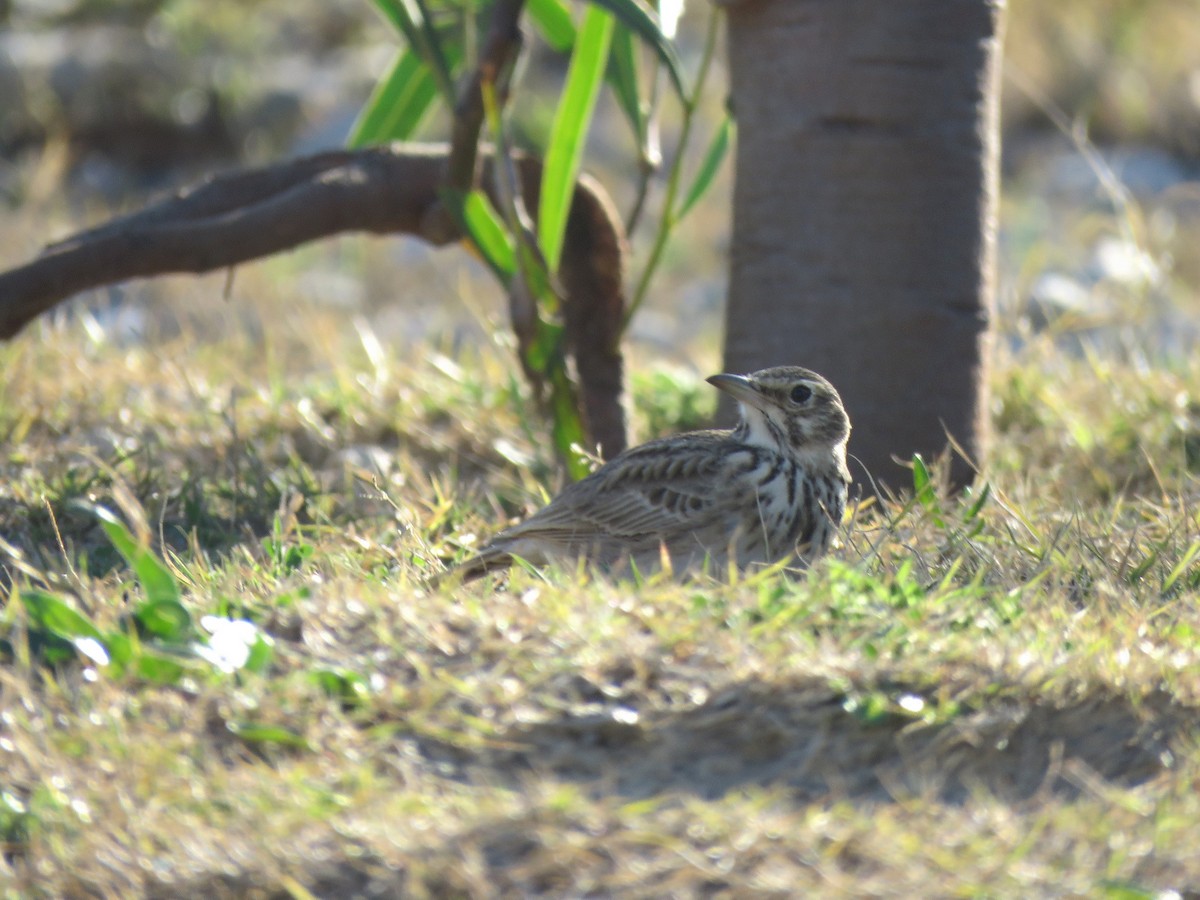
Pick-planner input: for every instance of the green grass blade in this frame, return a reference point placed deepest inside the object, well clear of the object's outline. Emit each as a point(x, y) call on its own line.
point(977, 505)
point(253, 733)
point(553, 21)
point(397, 104)
point(1184, 564)
point(571, 121)
point(711, 164)
point(922, 482)
point(642, 21)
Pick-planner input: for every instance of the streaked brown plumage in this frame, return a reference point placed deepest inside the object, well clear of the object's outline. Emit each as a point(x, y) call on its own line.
point(772, 487)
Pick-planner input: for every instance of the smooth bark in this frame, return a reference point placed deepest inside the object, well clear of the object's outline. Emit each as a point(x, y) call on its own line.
point(864, 212)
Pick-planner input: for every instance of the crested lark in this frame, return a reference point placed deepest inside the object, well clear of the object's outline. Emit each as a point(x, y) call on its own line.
point(772, 487)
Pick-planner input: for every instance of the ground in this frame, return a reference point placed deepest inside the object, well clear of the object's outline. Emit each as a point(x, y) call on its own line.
point(990, 694)
point(994, 693)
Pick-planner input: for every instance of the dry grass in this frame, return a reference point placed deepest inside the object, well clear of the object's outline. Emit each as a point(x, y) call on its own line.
point(997, 699)
point(992, 695)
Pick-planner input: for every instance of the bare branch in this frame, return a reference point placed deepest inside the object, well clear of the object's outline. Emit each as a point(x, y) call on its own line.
point(230, 219)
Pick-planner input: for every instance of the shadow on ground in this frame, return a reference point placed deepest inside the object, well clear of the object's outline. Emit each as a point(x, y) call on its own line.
point(811, 738)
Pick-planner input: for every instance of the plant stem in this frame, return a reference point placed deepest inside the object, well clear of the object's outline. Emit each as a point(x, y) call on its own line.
point(667, 222)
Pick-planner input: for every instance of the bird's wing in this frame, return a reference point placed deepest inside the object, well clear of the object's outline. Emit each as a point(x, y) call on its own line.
point(657, 490)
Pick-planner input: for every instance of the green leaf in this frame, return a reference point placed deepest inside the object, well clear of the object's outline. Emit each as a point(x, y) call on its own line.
point(396, 15)
point(922, 482)
point(1182, 566)
point(397, 104)
point(409, 18)
point(642, 21)
point(158, 668)
point(486, 230)
point(977, 506)
point(49, 613)
point(155, 578)
point(622, 76)
point(350, 688)
point(164, 619)
point(545, 348)
point(709, 166)
point(567, 430)
point(120, 651)
point(571, 120)
point(554, 23)
point(254, 733)
point(262, 651)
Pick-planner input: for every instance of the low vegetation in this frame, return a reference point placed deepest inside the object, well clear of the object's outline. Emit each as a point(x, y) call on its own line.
point(225, 672)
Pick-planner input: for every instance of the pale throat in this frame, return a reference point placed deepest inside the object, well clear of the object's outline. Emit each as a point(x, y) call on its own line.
point(758, 432)
point(814, 456)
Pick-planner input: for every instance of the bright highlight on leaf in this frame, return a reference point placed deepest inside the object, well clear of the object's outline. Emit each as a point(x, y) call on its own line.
point(565, 151)
point(397, 104)
point(641, 20)
point(553, 21)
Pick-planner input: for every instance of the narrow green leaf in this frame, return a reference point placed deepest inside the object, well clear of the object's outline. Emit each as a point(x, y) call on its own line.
point(642, 21)
point(922, 481)
point(568, 432)
point(155, 578)
point(267, 734)
point(436, 58)
point(709, 166)
point(485, 229)
point(622, 76)
point(397, 104)
point(408, 17)
point(1182, 566)
point(396, 15)
point(118, 534)
point(571, 120)
point(553, 21)
point(977, 506)
point(50, 613)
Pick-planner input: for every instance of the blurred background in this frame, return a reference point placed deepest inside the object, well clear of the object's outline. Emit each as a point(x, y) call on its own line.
point(107, 103)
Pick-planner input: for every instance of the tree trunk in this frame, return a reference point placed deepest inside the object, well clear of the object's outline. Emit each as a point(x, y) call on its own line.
point(864, 211)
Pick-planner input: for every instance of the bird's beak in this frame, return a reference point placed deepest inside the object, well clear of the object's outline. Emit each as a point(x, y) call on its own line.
point(739, 387)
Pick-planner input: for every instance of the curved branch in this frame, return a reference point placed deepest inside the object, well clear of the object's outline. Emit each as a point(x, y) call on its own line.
point(236, 217)
point(229, 219)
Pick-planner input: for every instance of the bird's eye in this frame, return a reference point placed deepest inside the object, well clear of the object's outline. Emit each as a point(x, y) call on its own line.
point(801, 393)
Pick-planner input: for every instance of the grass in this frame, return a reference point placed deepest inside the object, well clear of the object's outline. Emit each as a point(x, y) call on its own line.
point(992, 694)
point(987, 695)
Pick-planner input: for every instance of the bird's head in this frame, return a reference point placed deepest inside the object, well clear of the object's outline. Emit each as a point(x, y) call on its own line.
point(789, 408)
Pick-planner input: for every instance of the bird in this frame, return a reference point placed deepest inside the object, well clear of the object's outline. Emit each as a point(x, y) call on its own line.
point(772, 487)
